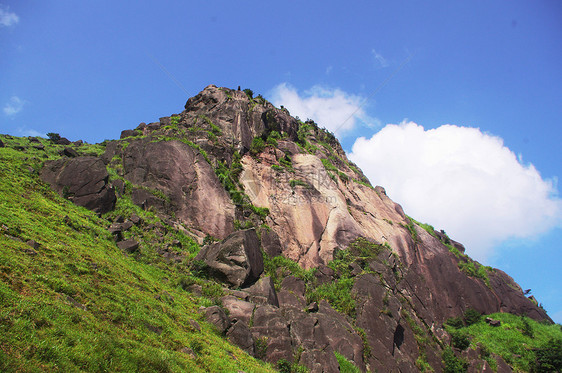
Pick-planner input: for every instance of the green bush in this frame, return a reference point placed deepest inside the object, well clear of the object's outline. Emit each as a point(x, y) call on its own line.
point(271, 141)
point(262, 212)
point(474, 269)
point(364, 249)
point(175, 120)
point(460, 339)
point(452, 363)
point(302, 133)
point(471, 316)
point(215, 129)
point(53, 136)
point(258, 145)
point(279, 266)
point(411, 229)
point(286, 367)
point(337, 293)
point(343, 177)
point(236, 166)
point(273, 137)
point(249, 93)
point(549, 357)
point(328, 165)
point(287, 163)
point(455, 322)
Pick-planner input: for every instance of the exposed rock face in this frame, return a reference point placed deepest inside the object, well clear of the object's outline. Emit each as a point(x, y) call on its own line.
point(198, 170)
point(237, 260)
point(84, 180)
point(192, 190)
point(282, 331)
point(239, 119)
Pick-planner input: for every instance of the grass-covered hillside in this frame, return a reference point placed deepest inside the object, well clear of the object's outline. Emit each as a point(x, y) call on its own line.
point(525, 344)
point(70, 300)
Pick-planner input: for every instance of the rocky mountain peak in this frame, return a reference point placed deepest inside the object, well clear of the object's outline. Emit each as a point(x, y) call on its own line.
point(311, 254)
point(239, 115)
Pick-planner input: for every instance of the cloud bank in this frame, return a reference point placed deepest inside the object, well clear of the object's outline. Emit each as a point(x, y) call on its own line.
point(460, 180)
point(13, 106)
point(7, 18)
point(334, 109)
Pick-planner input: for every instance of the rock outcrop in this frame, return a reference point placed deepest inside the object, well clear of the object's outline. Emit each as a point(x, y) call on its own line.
point(83, 180)
point(172, 177)
point(236, 260)
point(230, 162)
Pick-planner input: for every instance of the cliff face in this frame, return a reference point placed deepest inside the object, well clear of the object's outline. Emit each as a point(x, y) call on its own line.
point(230, 162)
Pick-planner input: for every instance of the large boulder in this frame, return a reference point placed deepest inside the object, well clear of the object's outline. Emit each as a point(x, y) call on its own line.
point(83, 180)
point(216, 316)
point(174, 178)
point(237, 260)
point(264, 289)
point(238, 309)
point(239, 334)
point(270, 326)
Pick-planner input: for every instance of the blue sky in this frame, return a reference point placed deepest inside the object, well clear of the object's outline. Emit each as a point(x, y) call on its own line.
point(492, 70)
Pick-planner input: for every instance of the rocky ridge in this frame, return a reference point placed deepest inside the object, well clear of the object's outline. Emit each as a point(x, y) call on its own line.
point(261, 191)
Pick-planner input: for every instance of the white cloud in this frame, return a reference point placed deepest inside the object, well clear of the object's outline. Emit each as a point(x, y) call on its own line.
point(30, 132)
point(334, 109)
point(460, 180)
point(8, 18)
point(13, 106)
point(380, 61)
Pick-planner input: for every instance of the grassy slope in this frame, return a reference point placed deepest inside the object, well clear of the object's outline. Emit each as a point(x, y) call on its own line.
point(43, 324)
point(509, 340)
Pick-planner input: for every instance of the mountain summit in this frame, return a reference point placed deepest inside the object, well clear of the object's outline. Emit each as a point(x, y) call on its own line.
point(312, 266)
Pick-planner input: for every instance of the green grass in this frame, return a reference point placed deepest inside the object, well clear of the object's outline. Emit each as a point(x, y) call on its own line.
point(364, 183)
point(294, 183)
point(337, 293)
point(328, 165)
point(410, 227)
point(475, 269)
point(77, 303)
point(257, 146)
point(346, 366)
point(279, 267)
point(287, 163)
point(512, 340)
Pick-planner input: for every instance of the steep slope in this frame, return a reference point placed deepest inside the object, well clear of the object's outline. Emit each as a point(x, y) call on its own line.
point(316, 267)
point(70, 300)
point(317, 201)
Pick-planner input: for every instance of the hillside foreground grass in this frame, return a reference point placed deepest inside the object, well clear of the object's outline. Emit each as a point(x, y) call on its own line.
point(70, 300)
